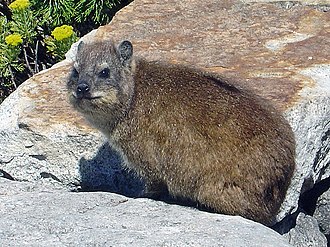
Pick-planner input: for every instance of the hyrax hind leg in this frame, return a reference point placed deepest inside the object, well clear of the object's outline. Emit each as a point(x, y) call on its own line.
point(229, 198)
point(155, 189)
point(223, 198)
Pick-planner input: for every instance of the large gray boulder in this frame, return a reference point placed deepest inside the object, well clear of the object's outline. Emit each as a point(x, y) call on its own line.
point(33, 216)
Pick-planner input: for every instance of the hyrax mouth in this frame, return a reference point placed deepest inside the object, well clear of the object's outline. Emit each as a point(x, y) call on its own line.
point(86, 97)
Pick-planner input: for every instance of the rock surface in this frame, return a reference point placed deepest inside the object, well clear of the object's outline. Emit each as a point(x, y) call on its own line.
point(278, 49)
point(322, 213)
point(32, 216)
point(306, 233)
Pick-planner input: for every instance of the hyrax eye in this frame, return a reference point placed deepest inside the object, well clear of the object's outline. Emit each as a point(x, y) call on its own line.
point(104, 73)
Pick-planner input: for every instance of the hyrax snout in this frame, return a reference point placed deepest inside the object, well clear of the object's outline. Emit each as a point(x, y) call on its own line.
point(197, 134)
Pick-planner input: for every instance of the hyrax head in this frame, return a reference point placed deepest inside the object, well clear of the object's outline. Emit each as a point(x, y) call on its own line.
point(101, 79)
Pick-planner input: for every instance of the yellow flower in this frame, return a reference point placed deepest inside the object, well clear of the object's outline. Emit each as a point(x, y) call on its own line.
point(19, 4)
point(62, 32)
point(14, 39)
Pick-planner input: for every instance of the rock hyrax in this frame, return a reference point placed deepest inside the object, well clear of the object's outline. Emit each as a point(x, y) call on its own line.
point(194, 133)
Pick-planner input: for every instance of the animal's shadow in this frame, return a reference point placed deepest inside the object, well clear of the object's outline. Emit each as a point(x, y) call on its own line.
point(104, 172)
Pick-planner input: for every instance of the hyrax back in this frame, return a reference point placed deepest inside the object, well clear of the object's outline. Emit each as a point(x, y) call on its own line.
point(200, 136)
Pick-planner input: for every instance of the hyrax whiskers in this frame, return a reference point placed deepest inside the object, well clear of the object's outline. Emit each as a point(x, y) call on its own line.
point(197, 134)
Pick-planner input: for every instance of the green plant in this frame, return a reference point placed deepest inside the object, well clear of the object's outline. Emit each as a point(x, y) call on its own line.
point(26, 45)
point(76, 11)
point(24, 22)
point(98, 11)
point(17, 42)
point(56, 12)
point(21, 39)
point(60, 43)
point(9, 51)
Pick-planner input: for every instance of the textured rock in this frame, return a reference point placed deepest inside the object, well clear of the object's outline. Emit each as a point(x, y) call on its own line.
point(41, 218)
point(306, 233)
point(322, 213)
point(308, 119)
point(279, 50)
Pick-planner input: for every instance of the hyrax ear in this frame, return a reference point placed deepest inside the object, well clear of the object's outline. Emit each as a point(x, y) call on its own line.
point(80, 46)
point(125, 50)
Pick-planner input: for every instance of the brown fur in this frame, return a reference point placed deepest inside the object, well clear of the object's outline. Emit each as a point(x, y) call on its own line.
point(197, 134)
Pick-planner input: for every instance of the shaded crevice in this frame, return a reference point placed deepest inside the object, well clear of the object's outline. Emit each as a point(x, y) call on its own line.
point(6, 175)
point(24, 126)
point(38, 156)
point(307, 205)
point(308, 199)
point(286, 224)
point(50, 175)
point(322, 153)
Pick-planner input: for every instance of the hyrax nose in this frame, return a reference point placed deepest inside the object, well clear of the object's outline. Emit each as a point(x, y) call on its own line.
point(83, 90)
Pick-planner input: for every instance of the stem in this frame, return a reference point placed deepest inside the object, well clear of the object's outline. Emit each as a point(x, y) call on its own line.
point(27, 61)
point(12, 76)
point(36, 70)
